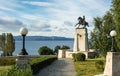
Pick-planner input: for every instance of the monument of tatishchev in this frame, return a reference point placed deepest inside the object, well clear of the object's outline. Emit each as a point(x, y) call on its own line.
point(80, 41)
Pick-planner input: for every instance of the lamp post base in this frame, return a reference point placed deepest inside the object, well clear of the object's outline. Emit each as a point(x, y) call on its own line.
point(23, 62)
point(23, 52)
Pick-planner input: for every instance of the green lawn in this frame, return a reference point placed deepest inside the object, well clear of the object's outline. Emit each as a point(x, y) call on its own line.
point(4, 68)
point(87, 68)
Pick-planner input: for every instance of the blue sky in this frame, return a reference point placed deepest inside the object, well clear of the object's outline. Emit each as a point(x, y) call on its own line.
point(49, 17)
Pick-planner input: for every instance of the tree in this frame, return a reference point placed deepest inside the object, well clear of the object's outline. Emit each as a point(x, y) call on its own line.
point(99, 36)
point(65, 47)
point(110, 21)
point(44, 50)
point(96, 34)
point(56, 49)
point(10, 44)
point(7, 44)
point(3, 46)
point(116, 16)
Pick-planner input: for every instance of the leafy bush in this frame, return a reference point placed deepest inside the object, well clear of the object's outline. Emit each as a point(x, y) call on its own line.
point(73, 55)
point(14, 71)
point(99, 65)
point(40, 63)
point(79, 57)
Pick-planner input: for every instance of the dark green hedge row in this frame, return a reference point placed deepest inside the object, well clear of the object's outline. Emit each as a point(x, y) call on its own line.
point(40, 63)
point(7, 61)
point(36, 63)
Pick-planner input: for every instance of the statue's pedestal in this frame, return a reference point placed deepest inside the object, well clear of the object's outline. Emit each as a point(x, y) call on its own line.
point(23, 61)
point(112, 67)
point(81, 40)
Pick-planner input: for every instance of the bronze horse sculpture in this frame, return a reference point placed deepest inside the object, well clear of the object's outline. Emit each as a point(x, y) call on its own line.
point(81, 21)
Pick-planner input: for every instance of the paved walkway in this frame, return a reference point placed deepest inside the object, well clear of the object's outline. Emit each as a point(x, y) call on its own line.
point(61, 67)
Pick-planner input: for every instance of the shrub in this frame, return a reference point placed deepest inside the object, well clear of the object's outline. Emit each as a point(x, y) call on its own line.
point(44, 50)
point(14, 71)
point(73, 55)
point(99, 65)
point(79, 57)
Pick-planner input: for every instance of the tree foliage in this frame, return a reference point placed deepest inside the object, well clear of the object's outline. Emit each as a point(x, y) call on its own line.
point(7, 44)
point(44, 50)
point(60, 47)
point(65, 47)
point(10, 43)
point(116, 16)
point(100, 38)
point(56, 49)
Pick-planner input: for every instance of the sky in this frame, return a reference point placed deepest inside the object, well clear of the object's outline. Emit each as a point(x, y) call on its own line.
point(49, 17)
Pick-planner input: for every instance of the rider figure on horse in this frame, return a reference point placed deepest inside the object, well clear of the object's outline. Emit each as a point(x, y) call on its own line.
point(81, 21)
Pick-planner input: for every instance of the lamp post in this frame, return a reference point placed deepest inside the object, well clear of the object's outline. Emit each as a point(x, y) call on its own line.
point(113, 34)
point(23, 32)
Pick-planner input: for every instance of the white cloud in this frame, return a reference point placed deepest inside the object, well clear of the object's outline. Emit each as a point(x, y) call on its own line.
point(6, 9)
point(38, 3)
point(57, 17)
point(9, 24)
point(9, 5)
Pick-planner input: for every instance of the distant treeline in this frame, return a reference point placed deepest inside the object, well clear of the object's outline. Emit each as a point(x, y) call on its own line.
point(41, 38)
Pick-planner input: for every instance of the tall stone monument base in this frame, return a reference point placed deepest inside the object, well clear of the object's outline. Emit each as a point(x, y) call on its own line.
point(112, 67)
point(81, 40)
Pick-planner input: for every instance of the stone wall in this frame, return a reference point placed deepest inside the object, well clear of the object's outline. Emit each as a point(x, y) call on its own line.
point(66, 53)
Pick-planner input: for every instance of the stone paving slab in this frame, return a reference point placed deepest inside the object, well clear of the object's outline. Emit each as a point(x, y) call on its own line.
point(60, 67)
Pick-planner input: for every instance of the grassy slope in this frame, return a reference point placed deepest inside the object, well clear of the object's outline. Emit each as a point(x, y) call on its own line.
point(4, 68)
point(87, 68)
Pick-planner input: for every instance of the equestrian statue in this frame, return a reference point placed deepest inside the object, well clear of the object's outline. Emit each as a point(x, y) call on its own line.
point(81, 21)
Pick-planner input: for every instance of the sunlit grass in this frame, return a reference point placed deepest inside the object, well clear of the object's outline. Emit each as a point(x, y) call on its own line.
point(4, 68)
point(87, 68)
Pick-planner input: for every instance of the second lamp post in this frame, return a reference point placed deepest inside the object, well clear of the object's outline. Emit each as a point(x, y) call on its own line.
point(23, 32)
point(113, 34)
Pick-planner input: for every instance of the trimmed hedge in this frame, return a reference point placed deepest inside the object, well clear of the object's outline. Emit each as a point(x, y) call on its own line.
point(79, 57)
point(7, 61)
point(36, 63)
point(40, 63)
